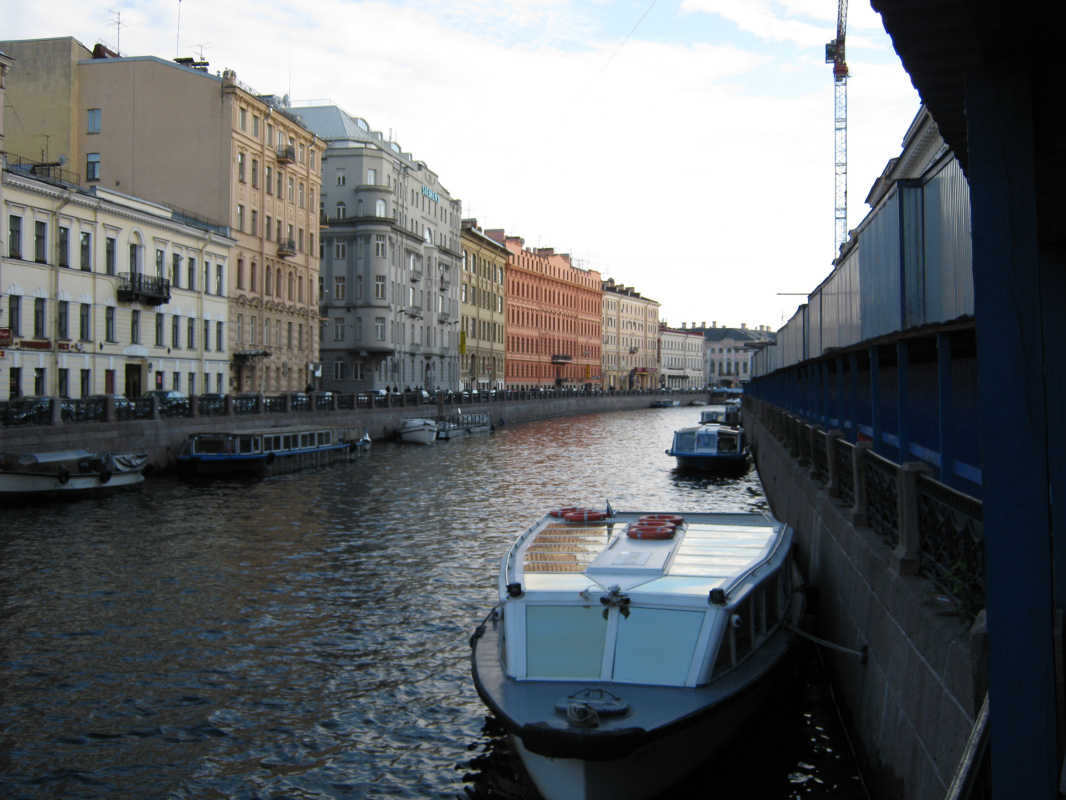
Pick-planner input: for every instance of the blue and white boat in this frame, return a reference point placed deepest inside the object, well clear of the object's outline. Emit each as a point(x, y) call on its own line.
point(268, 451)
point(710, 447)
point(625, 648)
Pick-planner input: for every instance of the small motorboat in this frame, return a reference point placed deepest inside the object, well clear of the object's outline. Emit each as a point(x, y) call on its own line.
point(626, 648)
point(268, 451)
point(417, 430)
point(710, 447)
point(73, 472)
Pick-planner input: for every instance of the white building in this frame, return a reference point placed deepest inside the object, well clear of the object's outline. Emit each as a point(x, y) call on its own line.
point(682, 357)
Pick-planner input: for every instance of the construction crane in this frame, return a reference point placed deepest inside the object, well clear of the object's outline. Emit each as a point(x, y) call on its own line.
point(834, 54)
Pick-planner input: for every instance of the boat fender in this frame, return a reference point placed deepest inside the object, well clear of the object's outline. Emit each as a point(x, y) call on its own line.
point(64, 476)
point(105, 475)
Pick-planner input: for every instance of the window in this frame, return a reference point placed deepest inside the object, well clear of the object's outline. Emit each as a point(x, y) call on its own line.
point(253, 277)
point(219, 341)
point(255, 173)
point(339, 288)
point(64, 247)
point(291, 185)
point(342, 211)
point(240, 273)
point(379, 208)
point(292, 286)
point(255, 133)
point(15, 382)
point(379, 245)
point(288, 342)
point(109, 324)
point(268, 176)
point(40, 242)
point(86, 261)
point(135, 326)
point(160, 257)
point(175, 270)
point(218, 277)
point(207, 340)
point(379, 287)
point(38, 318)
point(240, 218)
point(268, 281)
point(38, 381)
point(340, 250)
point(565, 641)
point(254, 227)
point(267, 228)
point(94, 121)
point(192, 274)
point(379, 328)
point(242, 120)
point(175, 332)
point(109, 255)
point(240, 165)
point(190, 334)
point(159, 319)
point(63, 320)
point(85, 328)
point(300, 195)
point(341, 179)
point(14, 237)
point(92, 166)
point(64, 382)
point(372, 177)
point(338, 369)
point(338, 329)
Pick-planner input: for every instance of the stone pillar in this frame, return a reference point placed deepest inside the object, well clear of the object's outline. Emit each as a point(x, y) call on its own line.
point(907, 553)
point(859, 511)
point(832, 439)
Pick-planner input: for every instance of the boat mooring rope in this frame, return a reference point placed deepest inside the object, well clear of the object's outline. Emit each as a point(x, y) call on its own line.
point(862, 654)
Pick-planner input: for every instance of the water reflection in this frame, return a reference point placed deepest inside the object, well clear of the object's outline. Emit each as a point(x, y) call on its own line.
point(303, 635)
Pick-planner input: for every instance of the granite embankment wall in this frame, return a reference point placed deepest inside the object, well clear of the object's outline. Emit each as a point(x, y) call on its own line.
point(162, 438)
point(912, 704)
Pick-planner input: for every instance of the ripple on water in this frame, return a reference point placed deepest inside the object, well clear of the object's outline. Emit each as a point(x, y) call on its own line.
point(305, 636)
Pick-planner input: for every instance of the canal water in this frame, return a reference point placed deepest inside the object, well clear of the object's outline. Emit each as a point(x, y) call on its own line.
point(306, 635)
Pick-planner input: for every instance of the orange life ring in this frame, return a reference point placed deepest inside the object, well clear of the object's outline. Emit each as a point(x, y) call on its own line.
point(562, 512)
point(650, 531)
point(584, 515)
point(669, 519)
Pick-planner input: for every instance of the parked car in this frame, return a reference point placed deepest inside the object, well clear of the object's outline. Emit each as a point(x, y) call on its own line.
point(28, 411)
point(172, 403)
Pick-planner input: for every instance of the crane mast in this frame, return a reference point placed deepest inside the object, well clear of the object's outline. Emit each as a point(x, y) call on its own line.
point(834, 54)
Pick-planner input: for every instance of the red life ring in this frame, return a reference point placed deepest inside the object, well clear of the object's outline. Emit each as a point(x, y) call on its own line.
point(650, 531)
point(584, 515)
point(562, 512)
point(668, 519)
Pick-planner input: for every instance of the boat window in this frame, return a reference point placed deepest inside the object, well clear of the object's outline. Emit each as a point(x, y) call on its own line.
point(727, 443)
point(705, 441)
point(686, 441)
point(724, 662)
point(655, 645)
point(287, 442)
point(742, 628)
point(212, 445)
point(323, 438)
point(245, 444)
point(564, 641)
point(305, 440)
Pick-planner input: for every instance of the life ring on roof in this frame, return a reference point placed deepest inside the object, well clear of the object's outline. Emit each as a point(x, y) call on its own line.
point(584, 515)
point(562, 512)
point(650, 531)
point(663, 519)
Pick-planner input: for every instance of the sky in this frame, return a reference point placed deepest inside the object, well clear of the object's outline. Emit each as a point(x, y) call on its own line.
point(684, 148)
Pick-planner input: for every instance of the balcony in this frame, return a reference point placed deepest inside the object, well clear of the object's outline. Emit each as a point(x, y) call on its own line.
point(148, 289)
point(414, 311)
point(444, 318)
point(287, 154)
point(416, 275)
point(287, 247)
point(561, 359)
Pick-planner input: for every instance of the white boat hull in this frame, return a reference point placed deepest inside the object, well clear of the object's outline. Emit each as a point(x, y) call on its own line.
point(14, 484)
point(417, 431)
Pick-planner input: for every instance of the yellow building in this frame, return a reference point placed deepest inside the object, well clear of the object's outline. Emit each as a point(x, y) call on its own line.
point(481, 308)
point(630, 338)
point(175, 134)
point(79, 315)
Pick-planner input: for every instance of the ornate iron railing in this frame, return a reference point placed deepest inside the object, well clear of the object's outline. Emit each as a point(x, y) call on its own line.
point(952, 543)
point(844, 454)
point(882, 493)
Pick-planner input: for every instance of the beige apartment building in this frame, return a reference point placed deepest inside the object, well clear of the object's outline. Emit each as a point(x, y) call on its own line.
point(630, 338)
point(209, 147)
point(481, 309)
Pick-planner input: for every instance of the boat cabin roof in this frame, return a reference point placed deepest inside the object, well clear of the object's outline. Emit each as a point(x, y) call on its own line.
point(50, 457)
point(708, 551)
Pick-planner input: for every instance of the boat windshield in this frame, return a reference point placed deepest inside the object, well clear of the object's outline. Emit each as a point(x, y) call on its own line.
point(565, 641)
point(656, 645)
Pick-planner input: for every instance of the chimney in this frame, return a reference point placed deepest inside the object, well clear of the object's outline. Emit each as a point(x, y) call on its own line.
point(683, 324)
point(743, 326)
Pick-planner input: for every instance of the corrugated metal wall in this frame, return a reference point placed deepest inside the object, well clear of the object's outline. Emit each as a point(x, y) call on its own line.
point(879, 296)
point(948, 254)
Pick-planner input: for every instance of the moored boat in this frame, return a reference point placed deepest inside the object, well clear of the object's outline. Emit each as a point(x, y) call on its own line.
point(73, 472)
point(626, 648)
point(268, 451)
point(710, 447)
point(665, 403)
point(417, 430)
point(454, 426)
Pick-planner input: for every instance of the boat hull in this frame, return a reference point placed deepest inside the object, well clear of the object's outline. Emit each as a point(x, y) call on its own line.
point(418, 431)
point(208, 465)
point(16, 485)
point(731, 464)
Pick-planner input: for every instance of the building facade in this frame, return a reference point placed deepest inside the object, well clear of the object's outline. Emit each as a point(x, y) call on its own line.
point(81, 316)
point(390, 255)
point(554, 317)
point(682, 358)
point(175, 134)
point(482, 301)
point(730, 352)
point(630, 338)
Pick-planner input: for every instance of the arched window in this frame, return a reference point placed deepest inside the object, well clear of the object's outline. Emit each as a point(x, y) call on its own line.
point(268, 284)
point(379, 208)
point(278, 292)
point(292, 285)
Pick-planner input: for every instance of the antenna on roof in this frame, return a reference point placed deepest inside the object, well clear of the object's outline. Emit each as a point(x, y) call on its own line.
point(118, 30)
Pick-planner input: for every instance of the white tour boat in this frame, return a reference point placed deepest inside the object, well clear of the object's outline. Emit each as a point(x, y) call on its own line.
point(710, 447)
point(23, 474)
point(627, 647)
point(268, 451)
point(417, 430)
